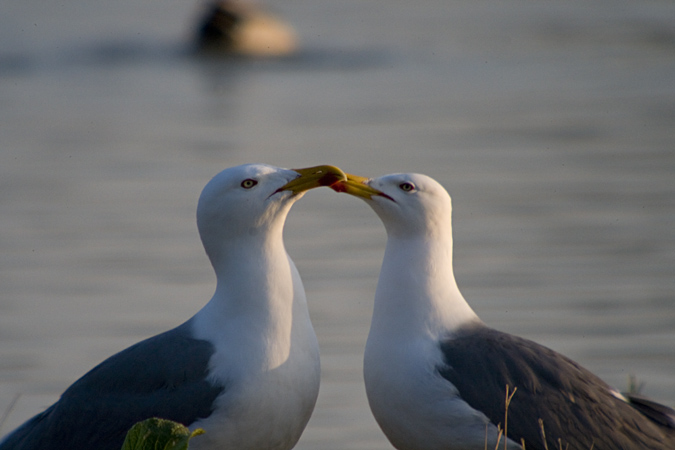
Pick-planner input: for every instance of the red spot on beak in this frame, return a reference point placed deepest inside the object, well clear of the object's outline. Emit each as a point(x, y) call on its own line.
point(330, 179)
point(338, 187)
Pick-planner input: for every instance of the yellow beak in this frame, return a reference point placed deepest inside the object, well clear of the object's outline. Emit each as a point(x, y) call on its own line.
point(313, 177)
point(358, 187)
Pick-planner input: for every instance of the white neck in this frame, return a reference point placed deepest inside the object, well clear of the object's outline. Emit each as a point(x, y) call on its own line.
point(257, 292)
point(417, 292)
point(266, 352)
point(255, 275)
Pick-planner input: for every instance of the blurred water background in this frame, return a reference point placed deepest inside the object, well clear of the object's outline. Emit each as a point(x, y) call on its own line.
point(552, 125)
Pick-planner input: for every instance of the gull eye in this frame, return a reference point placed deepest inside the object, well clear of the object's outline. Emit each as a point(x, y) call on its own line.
point(248, 183)
point(407, 187)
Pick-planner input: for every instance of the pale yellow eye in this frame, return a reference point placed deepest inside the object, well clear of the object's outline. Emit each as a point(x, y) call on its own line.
point(248, 183)
point(407, 187)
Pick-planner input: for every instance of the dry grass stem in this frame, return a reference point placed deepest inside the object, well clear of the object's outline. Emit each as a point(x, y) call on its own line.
point(543, 433)
point(507, 402)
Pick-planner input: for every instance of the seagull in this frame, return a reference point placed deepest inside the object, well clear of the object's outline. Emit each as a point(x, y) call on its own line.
point(245, 368)
point(437, 377)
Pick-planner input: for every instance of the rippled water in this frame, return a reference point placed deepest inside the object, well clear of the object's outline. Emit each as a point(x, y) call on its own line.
point(551, 125)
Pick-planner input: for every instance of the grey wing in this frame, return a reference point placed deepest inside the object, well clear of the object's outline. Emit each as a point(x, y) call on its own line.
point(572, 403)
point(163, 376)
point(656, 412)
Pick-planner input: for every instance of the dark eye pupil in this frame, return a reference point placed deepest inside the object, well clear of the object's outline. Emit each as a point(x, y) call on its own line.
point(248, 183)
point(407, 187)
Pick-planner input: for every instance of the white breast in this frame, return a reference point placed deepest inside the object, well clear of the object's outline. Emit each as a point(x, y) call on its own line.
point(416, 408)
point(268, 361)
point(267, 410)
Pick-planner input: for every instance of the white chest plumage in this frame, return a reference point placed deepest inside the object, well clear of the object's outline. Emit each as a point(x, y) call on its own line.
point(268, 361)
point(267, 409)
point(414, 405)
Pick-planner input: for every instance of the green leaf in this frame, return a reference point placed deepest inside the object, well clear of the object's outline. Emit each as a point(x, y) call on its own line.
point(159, 434)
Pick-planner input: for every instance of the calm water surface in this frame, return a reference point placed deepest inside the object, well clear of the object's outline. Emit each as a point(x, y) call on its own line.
point(551, 125)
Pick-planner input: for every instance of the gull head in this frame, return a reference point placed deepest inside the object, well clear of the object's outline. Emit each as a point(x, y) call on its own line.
point(254, 199)
point(409, 204)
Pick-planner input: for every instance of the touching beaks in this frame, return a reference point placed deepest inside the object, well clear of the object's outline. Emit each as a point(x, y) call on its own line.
point(358, 187)
point(313, 177)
